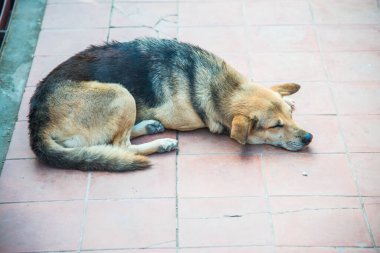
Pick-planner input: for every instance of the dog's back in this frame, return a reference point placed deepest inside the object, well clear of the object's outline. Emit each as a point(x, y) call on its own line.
point(145, 67)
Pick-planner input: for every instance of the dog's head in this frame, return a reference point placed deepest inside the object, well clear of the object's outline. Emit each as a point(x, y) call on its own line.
point(261, 115)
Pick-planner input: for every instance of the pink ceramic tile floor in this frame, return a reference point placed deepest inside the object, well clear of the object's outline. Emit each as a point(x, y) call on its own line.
point(213, 195)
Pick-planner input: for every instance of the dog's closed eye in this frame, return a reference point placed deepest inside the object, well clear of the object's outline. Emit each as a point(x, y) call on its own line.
point(278, 125)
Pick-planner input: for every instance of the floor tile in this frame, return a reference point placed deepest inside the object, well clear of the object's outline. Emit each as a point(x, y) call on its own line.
point(361, 132)
point(282, 38)
point(327, 174)
point(219, 208)
point(136, 251)
point(134, 224)
point(211, 13)
point(157, 181)
point(19, 146)
point(349, 38)
point(41, 67)
point(357, 98)
point(203, 142)
point(264, 12)
point(82, 14)
point(29, 180)
point(130, 33)
point(224, 221)
point(286, 204)
point(49, 226)
point(326, 135)
point(215, 39)
point(24, 106)
point(238, 61)
point(318, 224)
point(76, 1)
point(367, 173)
point(345, 12)
point(305, 249)
point(153, 1)
point(314, 98)
point(358, 250)
point(323, 250)
point(288, 67)
point(372, 208)
point(68, 42)
point(252, 249)
point(219, 176)
point(353, 66)
point(144, 14)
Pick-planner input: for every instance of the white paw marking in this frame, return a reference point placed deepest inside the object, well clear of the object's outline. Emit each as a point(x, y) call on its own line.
point(167, 145)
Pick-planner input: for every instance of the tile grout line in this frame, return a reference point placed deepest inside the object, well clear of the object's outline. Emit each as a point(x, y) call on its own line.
point(176, 157)
point(269, 206)
point(363, 209)
point(281, 246)
point(260, 152)
point(110, 20)
point(193, 197)
point(208, 26)
point(251, 72)
point(214, 247)
point(277, 196)
point(280, 152)
point(301, 210)
point(38, 201)
point(86, 200)
point(342, 137)
point(178, 21)
point(176, 197)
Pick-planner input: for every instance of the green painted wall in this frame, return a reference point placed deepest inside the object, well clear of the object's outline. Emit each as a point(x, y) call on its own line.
point(15, 62)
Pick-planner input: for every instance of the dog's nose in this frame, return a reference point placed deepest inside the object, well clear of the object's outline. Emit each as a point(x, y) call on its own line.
point(306, 139)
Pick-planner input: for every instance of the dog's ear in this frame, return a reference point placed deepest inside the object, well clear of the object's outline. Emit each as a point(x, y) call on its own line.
point(240, 128)
point(286, 89)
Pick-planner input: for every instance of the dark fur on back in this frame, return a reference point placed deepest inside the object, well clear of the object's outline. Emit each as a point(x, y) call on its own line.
point(142, 66)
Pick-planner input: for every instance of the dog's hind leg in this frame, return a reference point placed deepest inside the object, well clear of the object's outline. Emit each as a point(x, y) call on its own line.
point(156, 146)
point(90, 124)
point(126, 130)
point(147, 127)
point(122, 138)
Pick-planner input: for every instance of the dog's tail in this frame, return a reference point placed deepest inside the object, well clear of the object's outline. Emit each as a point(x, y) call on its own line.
point(91, 158)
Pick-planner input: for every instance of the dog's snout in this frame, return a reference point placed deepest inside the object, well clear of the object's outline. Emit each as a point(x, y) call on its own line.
point(306, 139)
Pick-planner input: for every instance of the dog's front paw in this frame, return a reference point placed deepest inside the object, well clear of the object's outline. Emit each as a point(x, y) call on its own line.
point(167, 145)
point(154, 127)
point(291, 103)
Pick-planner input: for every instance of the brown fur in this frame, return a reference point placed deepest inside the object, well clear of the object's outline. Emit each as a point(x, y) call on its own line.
point(76, 122)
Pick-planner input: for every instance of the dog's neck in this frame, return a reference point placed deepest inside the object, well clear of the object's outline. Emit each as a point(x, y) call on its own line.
point(226, 87)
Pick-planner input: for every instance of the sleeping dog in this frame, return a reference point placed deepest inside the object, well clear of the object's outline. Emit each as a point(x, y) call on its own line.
point(84, 113)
